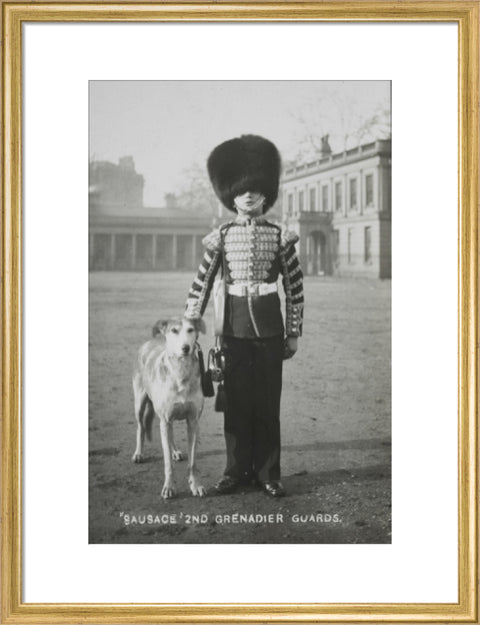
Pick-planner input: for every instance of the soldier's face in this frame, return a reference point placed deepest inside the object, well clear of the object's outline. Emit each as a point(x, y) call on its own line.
point(250, 203)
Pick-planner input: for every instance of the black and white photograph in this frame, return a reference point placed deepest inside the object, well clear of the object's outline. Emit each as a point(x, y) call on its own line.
point(240, 312)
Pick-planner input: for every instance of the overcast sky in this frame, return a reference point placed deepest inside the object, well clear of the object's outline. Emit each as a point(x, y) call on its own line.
point(169, 125)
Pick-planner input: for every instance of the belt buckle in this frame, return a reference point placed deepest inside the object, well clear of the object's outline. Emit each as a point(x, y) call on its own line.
point(252, 289)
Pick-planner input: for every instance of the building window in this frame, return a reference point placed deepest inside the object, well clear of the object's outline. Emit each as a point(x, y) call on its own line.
point(369, 190)
point(349, 246)
point(353, 194)
point(290, 204)
point(368, 244)
point(325, 199)
point(338, 196)
point(313, 202)
point(300, 201)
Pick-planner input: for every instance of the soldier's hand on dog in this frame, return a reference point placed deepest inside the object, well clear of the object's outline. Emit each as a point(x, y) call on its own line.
point(291, 346)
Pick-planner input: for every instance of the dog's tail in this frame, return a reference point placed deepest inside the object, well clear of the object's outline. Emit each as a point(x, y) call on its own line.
point(147, 417)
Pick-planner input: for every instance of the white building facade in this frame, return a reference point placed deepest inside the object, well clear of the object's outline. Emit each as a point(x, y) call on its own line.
point(340, 206)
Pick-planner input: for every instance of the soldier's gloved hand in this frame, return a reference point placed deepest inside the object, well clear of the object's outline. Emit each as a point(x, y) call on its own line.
point(291, 346)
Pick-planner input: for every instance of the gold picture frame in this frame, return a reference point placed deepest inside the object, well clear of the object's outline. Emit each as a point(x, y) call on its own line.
point(466, 15)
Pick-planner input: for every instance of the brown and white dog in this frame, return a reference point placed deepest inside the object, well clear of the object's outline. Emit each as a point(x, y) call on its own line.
point(166, 383)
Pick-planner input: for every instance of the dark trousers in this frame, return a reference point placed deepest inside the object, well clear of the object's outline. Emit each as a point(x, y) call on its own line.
point(253, 385)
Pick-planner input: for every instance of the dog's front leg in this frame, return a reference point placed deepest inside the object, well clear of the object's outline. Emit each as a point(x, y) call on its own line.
point(140, 400)
point(193, 478)
point(166, 432)
point(138, 454)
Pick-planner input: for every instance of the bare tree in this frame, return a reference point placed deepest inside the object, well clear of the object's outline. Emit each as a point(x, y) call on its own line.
point(336, 114)
point(196, 192)
point(375, 126)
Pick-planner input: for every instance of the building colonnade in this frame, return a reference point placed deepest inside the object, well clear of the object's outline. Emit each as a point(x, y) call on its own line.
point(112, 249)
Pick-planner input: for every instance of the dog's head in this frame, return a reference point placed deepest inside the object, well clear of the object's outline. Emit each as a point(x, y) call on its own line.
point(180, 334)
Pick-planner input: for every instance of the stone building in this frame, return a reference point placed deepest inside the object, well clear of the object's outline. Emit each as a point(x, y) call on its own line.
point(116, 186)
point(340, 206)
point(125, 235)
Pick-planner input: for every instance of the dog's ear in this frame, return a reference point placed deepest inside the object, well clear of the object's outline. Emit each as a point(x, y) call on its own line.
point(159, 328)
point(200, 326)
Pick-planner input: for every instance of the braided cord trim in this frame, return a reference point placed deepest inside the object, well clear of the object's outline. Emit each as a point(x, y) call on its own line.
point(294, 312)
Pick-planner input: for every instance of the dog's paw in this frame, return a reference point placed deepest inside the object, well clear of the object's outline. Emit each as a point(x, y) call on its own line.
point(198, 490)
point(137, 458)
point(168, 491)
point(177, 455)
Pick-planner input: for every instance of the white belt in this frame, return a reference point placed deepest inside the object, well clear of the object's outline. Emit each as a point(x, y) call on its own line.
point(242, 290)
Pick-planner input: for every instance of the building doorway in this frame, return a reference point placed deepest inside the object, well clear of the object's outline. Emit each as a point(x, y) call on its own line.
point(317, 255)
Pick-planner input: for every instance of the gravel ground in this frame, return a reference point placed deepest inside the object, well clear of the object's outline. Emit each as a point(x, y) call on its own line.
point(336, 425)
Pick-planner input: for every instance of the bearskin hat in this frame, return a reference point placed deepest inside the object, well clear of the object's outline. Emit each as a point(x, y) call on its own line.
point(247, 163)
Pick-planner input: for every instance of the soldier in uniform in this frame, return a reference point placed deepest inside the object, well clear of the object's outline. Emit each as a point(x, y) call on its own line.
point(252, 253)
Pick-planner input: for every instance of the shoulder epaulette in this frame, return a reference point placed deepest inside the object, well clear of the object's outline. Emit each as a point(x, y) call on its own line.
point(289, 238)
point(213, 240)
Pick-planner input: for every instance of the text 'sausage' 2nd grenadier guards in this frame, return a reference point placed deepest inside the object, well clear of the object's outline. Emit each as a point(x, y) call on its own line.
point(253, 253)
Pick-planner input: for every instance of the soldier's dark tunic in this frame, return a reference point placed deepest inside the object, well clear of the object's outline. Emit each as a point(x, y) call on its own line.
point(255, 253)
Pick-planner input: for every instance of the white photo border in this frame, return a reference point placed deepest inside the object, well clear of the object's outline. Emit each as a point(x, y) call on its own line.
point(434, 578)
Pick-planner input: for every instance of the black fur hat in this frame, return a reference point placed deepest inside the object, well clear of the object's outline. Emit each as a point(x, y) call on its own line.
point(247, 163)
